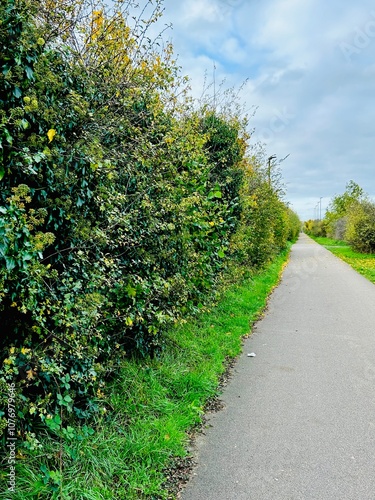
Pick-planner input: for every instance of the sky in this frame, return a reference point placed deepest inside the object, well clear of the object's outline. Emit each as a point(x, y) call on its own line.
point(308, 72)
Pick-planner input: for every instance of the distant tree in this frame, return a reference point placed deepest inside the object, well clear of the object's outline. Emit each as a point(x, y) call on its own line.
point(335, 218)
point(315, 228)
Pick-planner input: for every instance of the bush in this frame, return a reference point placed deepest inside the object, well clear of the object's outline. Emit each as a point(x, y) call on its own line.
point(360, 231)
point(338, 228)
point(225, 152)
point(118, 203)
point(116, 208)
point(315, 228)
point(265, 224)
point(336, 215)
point(294, 225)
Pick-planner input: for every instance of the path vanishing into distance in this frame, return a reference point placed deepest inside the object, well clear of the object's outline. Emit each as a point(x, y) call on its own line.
point(299, 418)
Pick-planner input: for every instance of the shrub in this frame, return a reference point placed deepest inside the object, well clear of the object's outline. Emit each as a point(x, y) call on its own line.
point(265, 226)
point(336, 216)
point(294, 225)
point(225, 151)
point(315, 228)
point(338, 228)
point(360, 232)
point(118, 203)
point(116, 208)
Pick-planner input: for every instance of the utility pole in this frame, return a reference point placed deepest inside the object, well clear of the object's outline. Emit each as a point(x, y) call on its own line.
point(273, 157)
point(214, 86)
point(320, 212)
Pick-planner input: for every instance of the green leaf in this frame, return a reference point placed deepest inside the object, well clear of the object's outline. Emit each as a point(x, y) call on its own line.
point(29, 72)
point(10, 263)
point(17, 92)
point(6, 69)
point(214, 194)
point(53, 423)
point(44, 469)
point(57, 419)
point(132, 292)
point(25, 124)
point(8, 137)
point(80, 201)
point(2, 172)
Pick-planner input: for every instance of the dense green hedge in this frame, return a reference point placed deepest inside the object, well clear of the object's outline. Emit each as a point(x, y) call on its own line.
point(119, 205)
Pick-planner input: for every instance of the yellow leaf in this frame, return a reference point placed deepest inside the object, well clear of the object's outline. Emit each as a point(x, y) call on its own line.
point(30, 374)
point(51, 134)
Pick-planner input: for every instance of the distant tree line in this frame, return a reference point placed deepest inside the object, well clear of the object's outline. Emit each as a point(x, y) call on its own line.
point(350, 217)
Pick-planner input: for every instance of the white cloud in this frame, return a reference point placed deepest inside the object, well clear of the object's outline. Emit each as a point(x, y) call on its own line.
point(315, 96)
point(232, 51)
point(198, 11)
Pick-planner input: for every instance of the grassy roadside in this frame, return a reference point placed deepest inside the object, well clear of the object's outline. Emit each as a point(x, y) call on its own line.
point(151, 409)
point(363, 263)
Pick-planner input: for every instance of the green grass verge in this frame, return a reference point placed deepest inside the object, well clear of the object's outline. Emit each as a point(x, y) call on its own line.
point(152, 407)
point(363, 263)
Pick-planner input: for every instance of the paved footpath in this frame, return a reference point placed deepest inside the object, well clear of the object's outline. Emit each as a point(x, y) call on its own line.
point(299, 418)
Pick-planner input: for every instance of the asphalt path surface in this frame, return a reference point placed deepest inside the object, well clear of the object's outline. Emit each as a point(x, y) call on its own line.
point(299, 418)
